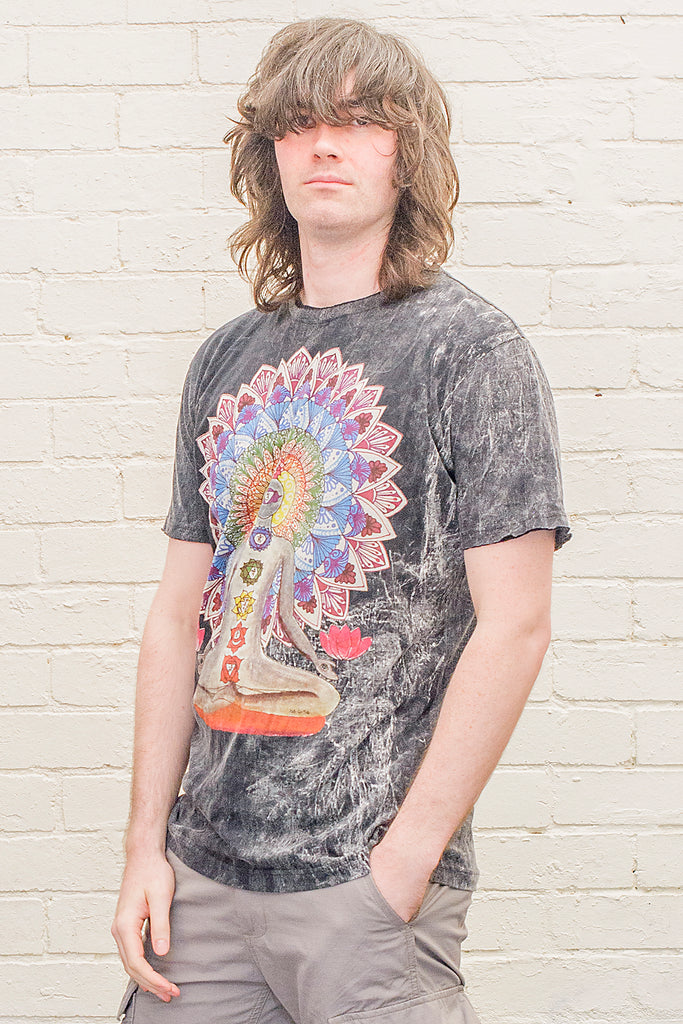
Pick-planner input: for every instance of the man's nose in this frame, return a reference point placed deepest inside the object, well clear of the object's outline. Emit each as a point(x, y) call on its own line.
point(326, 140)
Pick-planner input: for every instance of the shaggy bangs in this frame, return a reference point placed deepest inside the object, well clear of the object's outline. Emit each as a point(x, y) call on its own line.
point(302, 75)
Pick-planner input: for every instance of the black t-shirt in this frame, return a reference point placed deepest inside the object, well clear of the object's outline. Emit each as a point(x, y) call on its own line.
point(339, 460)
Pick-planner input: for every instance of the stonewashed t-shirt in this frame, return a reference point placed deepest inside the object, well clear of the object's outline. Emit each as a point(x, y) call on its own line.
point(339, 460)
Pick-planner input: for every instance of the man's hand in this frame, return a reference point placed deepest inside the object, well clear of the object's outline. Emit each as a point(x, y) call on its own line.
point(146, 893)
point(400, 877)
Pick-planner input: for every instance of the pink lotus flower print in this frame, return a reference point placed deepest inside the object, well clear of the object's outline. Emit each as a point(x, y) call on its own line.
point(342, 642)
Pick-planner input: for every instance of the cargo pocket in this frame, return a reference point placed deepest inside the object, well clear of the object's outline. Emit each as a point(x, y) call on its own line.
point(126, 1010)
point(448, 1006)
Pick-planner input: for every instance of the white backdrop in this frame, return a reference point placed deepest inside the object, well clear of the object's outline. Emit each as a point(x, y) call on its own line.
point(568, 135)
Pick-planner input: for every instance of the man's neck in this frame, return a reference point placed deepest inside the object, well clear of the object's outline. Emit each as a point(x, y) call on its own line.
point(336, 271)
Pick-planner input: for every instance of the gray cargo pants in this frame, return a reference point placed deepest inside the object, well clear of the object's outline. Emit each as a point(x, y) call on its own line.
point(334, 955)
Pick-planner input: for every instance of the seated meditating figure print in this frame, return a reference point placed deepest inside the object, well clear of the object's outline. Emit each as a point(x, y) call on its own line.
point(237, 674)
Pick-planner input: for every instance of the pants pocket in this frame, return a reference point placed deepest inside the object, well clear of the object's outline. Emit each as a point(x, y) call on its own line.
point(431, 893)
point(126, 1010)
point(448, 1006)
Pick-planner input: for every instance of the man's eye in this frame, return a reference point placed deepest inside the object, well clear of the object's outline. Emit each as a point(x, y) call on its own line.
point(361, 121)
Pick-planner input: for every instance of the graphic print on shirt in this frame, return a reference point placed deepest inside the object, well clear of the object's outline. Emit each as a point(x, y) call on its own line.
point(300, 493)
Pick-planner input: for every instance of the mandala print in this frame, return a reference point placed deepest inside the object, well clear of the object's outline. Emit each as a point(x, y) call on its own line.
point(313, 424)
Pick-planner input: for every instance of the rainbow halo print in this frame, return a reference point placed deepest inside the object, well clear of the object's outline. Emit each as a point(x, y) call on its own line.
point(300, 454)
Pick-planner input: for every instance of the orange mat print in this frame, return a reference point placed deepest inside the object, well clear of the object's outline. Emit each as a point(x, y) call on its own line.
point(234, 718)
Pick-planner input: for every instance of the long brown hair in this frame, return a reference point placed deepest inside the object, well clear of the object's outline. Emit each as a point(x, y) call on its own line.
point(304, 68)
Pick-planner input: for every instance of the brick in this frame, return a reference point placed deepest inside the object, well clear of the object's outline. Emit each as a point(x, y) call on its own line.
point(618, 672)
point(96, 802)
point(658, 110)
point(579, 921)
point(147, 489)
point(638, 172)
point(627, 548)
point(80, 924)
point(660, 363)
point(617, 797)
point(495, 174)
point(28, 802)
point(508, 922)
point(226, 297)
point(55, 370)
point(591, 611)
point(630, 297)
point(199, 119)
point(543, 686)
point(230, 54)
point(602, 922)
point(146, 11)
point(545, 862)
point(119, 554)
point(13, 52)
point(190, 241)
point(217, 195)
point(658, 611)
point(522, 293)
point(66, 987)
point(94, 429)
point(515, 799)
point(122, 304)
point(49, 244)
point(64, 494)
point(21, 926)
point(17, 300)
point(19, 555)
point(16, 183)
point(118, 182)
point(596, 988)
point(62, 863)
point(24, 432)
point(66, 12)
point(526, 113)
point(615, 422)
point(158, 368)
point(595, 361)
point(596, 483)
point(95, 678)
point(660, 860)
point(116, 55)
point(63, 740)
point(656, 482)
point(142, 601)
point(578, 736)
point(58, 121)
point(25, 677)
point(659, 736)
point(65, 615)
point(530, 236)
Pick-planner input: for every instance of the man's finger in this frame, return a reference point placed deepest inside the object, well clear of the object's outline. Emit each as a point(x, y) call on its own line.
point(159, 924)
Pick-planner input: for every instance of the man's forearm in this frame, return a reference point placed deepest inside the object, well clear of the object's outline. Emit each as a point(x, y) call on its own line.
point(163, 726)
point(481, 706)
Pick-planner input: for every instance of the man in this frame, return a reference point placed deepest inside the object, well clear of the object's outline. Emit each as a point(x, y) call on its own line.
point(366, 501)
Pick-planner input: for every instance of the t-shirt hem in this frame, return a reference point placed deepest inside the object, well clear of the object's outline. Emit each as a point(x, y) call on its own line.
point(241, 875)
point(507, 531)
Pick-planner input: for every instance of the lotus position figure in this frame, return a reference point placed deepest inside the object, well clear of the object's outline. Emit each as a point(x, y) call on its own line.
point(237, 669)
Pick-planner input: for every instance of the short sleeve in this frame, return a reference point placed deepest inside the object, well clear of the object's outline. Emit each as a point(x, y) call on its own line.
point(501, 430)
point(188, 514)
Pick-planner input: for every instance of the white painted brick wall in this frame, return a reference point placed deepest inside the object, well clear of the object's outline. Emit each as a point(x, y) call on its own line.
point(114, 212)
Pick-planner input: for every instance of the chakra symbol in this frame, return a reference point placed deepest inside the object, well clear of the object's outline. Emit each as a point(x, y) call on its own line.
point(237, 635)
point(251, 571)
point(230, 672)
point(244, 604)
point(260, 538)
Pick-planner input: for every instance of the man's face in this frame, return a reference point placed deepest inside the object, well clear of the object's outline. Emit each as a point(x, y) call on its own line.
point(337, 180)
